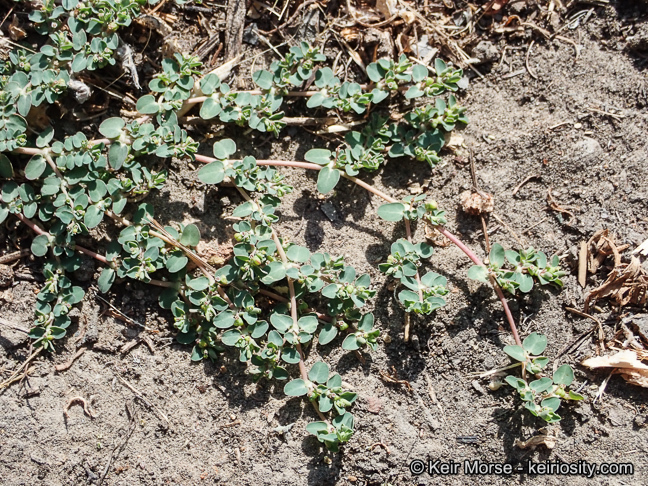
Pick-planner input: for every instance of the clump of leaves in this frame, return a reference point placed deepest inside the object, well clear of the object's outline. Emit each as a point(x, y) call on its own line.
point(515, 270)
point(544, 395)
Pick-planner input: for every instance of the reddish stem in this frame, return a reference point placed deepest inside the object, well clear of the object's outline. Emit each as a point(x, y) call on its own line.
point(469, 253)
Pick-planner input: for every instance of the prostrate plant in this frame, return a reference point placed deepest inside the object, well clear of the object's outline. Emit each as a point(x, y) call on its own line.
point(542, 396)
point(74, 184)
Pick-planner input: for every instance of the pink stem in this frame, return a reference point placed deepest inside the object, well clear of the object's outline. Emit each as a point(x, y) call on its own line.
point(469, 253)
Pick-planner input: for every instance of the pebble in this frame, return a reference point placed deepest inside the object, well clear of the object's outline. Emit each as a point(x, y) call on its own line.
point(329, 211)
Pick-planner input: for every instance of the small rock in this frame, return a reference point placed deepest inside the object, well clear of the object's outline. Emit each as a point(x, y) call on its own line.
point(10, 338)
point(617, 417)
point(225, 201)
point(329, 211)
point(415, 188)
point(374, 405)
point(486, 51)
point(6, 276)
point(416, 343)
point(478, 387)
point(516, 7)
point(587, 146)
point(251, 34)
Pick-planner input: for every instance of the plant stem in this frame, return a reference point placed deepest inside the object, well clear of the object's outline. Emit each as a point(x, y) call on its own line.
point(498, 289)
point(90, 253)
point(291, 289)
point(408, 231)
point(469, 253)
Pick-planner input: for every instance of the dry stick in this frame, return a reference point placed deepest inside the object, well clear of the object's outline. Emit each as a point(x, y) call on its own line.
point(16, 255)
point(137, 393)
point(469, 253)
point(15, 376)
point(473, 174)
point(69, 362)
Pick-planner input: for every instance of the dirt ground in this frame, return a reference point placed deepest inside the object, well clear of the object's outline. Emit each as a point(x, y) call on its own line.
point(574, 125)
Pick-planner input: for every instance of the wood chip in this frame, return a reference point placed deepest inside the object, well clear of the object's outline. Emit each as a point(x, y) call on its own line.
point(582, 264)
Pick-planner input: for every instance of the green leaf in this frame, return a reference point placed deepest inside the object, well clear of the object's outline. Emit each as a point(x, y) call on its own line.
point(212, 173)
point(57, 332)
point(319, 373)
point(575, 396)
point(224, 148)
point(276, 271)
point(316, 427)
point(224, 320)
point(45, 137)
point(439, 66)
point(525, 281)
point(414, 92)
point(6, 170)
point(93, 216)
point(263, 79)
point(327, 179)
point(299, 254)
point(512, 256)
point(424, 250)
point(328, 333)
point(350, 343)
point(35, 167)
point(243, 210)
point(478, 272)
point(176, 261)
point(552, 403)
point(535, 343)
point(316, 100)
point(541, 385)
point(296, 388)
point(190, 235)
point(106, 280)
point(79, 63)
point(564, 375)
point(117, 154)
point(318, 156)
point(4, 212)
point(112, 127)
point(308, 324)
point(200, 283)
point(419, 73)
point(143, 214)
point(516, 352)
point(231, 337)
point(391, 211)
point(147, 105)
point(497, 255)
point(210, 109)
point(196, 354)
point(373, 71)
point(517, 383)
point(366, 323)
point(40, 245)
point(325, 404)
point(281, 322)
